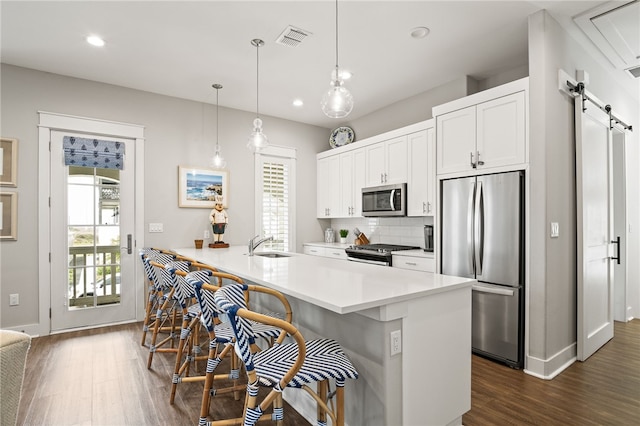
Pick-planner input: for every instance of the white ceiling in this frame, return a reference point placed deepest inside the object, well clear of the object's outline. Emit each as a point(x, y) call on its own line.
point(180, 48)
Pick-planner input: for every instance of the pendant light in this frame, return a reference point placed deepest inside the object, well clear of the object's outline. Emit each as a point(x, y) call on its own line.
point(257, 140)
point(337, 102)
point(217, 162)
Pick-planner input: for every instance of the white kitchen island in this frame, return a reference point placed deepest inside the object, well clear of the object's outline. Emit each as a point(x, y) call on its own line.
point(359, 305)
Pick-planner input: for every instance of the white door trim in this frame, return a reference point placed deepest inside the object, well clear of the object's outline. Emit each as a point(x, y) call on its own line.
point(49, 121)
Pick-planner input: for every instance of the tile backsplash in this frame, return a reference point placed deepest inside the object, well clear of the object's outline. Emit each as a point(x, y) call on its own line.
point(391, 230)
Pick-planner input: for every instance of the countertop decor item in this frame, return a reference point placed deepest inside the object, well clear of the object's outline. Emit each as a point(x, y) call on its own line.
point(337, 102)
point(343, 235)
point(341, 137)
point(257, 140)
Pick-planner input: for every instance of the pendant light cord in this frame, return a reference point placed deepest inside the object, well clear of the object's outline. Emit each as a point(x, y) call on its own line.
point(217, 120)
point(257, 82)
point(337, 40)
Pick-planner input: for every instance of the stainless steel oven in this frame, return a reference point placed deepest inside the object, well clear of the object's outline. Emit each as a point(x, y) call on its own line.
point(377, 254)
point(387, 200)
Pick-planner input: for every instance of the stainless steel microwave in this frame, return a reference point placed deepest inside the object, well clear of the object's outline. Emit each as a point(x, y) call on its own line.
point(387, 200)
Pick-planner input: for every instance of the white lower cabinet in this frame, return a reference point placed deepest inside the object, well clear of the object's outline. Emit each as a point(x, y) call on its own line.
point(415, 263)
point(326, 251)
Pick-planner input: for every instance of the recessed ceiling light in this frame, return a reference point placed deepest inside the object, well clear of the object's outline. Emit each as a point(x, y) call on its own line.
point(95, 41)
point(419, 32)
point(298, 102)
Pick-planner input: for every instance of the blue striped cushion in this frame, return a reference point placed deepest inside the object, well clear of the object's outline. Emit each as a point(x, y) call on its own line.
point(183, 291)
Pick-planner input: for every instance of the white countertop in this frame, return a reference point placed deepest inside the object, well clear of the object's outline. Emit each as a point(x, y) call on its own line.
point(337, 285)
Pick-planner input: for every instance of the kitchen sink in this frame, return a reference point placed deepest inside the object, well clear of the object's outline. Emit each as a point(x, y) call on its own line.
point(271, 254)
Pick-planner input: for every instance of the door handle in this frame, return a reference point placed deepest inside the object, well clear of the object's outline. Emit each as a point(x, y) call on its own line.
point(479, 228)
point(129, 247)
point(617, 242)
point(470, 217)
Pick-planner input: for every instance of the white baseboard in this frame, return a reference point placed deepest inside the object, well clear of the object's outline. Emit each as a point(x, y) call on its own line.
point(551, 367)
point(33, 330)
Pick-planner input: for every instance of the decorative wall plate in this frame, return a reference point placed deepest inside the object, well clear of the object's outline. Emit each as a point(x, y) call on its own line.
point(341, 136)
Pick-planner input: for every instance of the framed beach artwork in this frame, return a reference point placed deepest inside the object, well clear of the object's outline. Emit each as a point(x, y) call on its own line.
point(8, 216)
point(199, 187)
point(8, 162)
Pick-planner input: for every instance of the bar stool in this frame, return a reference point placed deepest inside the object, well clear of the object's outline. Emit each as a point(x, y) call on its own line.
point(169, 312)
point(222, 335)
point(145, 254)
point(284, 365)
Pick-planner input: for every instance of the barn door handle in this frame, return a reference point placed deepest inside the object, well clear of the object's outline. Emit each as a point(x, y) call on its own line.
point(617, 242)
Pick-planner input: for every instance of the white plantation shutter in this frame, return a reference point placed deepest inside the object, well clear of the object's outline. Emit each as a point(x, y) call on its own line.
point(274, 201)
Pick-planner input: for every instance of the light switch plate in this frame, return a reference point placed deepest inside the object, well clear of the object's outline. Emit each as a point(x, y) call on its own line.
point(555, 230)
point(14, 299)
point(155, 227)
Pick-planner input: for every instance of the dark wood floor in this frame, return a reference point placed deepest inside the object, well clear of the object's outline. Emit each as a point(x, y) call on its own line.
point(603, 390)
point(99, 377)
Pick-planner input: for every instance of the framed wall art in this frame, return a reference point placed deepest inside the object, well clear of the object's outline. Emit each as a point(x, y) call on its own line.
point(8, 162)
point(199, 187)
point(8, 216)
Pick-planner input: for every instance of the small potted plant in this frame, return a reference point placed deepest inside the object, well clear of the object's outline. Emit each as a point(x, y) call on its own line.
point(343, 235)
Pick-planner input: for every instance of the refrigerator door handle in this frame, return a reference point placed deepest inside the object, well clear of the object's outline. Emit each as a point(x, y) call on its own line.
point(493, 290)
point(479, 228)
point(470, 216)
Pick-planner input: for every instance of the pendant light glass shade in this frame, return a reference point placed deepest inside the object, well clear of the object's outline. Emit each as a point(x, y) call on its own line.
point(337, 102)
point(257, 140)
point(218, 161)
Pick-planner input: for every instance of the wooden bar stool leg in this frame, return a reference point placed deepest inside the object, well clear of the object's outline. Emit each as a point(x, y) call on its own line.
point(322, 394)
point(340, 403)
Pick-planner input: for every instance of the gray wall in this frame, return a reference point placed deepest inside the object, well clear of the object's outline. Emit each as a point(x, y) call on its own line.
point(552, 303)
point(174, 136)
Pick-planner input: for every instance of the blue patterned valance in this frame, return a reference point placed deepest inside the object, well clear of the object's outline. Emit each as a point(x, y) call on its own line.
point(85, 152)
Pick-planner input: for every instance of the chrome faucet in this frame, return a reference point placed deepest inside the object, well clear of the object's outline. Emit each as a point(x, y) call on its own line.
point(253, 244)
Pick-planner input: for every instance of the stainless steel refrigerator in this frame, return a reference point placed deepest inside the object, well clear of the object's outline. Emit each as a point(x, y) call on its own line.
point(483, 238)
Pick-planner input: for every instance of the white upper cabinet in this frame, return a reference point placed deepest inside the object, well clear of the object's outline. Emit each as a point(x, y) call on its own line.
point(501, 131)
point(328, 187)
point(352, 175)
point(456, 140)
point(422, 175)
point(483, 131)
point(386, 162)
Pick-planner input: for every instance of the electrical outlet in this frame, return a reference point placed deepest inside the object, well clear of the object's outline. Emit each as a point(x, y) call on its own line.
point(555, 230)
point(14, 299)
point(206, 234)
point(155, 227)
point(396, 342)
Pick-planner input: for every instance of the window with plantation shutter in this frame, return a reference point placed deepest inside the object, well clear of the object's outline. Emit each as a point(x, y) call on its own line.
point(275, 201)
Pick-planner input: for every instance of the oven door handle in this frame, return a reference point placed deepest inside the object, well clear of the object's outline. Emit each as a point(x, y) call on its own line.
point(373, 262)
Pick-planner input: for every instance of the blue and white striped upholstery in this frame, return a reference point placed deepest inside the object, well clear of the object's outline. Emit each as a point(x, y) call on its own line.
point(145, 253)
point(324, 358)
point(183, 291)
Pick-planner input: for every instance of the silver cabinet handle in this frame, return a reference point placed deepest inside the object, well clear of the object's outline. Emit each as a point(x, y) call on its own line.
point(428, 207)
point(424, 207)
point(385, 178)
point(480, 163)
point(381, 177)
point(410, 263)
point(473, 165)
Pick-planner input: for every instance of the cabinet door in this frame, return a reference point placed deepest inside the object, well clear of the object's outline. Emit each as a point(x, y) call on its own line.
point(431, 172)
point(375, 164)
point(347, 185)
point(418, 182)
point(328, 187)
point(359, 176)
point(501, 131)
point(333, 179)
point(322, 188)
point(396, 160)
point(456, 140)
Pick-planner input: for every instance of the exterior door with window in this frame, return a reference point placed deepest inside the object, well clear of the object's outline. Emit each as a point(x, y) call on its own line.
point(92, 228)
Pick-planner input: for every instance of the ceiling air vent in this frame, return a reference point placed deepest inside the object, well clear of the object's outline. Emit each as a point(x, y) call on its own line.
point(635, 72)
point(292, 36)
